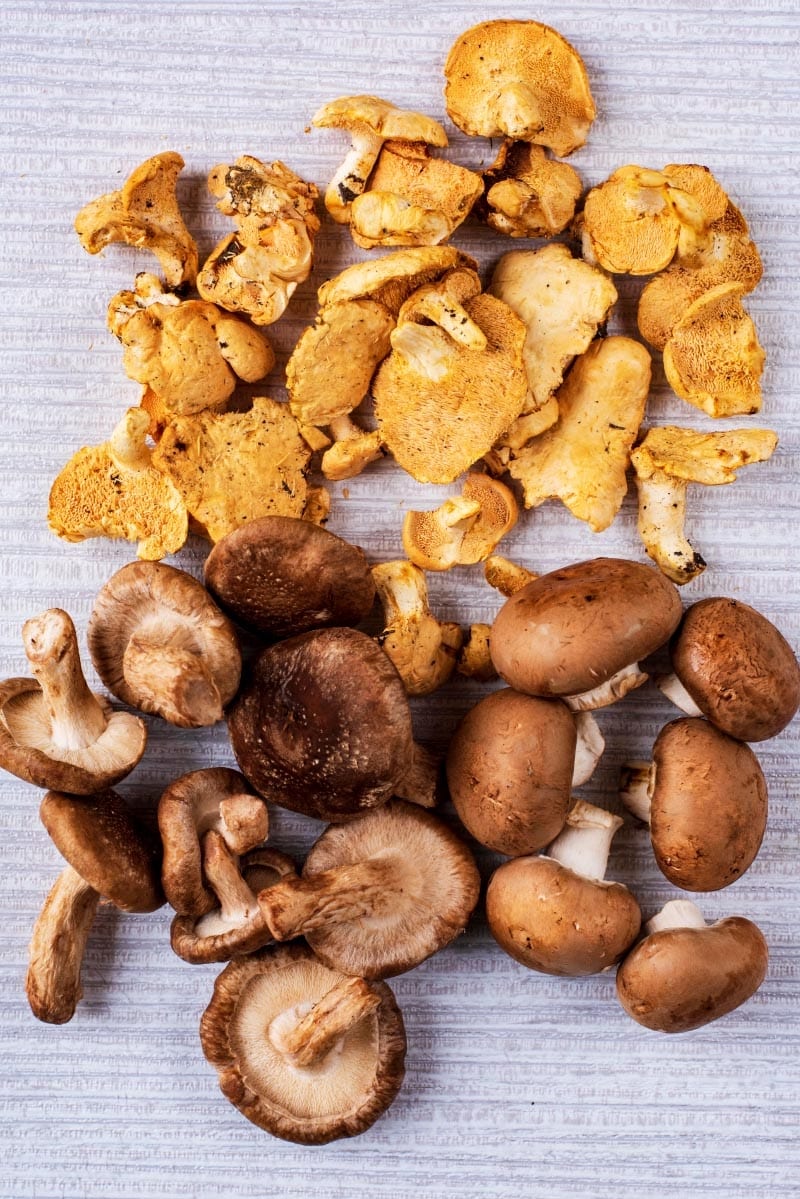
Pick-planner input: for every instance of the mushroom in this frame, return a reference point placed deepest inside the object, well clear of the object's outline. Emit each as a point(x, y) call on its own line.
point(371, 121)
point(522, 80)
point(353, 449)
point(422, 648)
point(54, 732)
point(282, 576)
point(705, 799)
point(666, 461)
point(731, 665)
point(302, 1052)
point(144, 213)
point(463, 530)
point(685, 973)
point(379, 895)
point(391, 279)
point(556, 913)
point(474, 659)
point(506, 576)
point(527, 193)
point(60, 935)
point(322, 726)
point(579, 632)
point(160, 644)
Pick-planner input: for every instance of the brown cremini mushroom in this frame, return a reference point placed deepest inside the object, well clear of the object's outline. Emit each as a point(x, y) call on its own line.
point(422, 648)
point(463, 530)
point(527, 193)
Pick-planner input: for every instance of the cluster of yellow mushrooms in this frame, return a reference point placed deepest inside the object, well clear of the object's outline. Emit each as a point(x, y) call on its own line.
point(467, 384)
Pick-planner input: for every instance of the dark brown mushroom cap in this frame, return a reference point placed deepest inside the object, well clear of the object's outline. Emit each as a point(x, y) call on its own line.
point(284, 576)
point(509, 770)
point(549, 918)
point(341, 1096)
point(322, 725)
point(739, 670)
point(708, 809)
point(107, 846)
point(569, 631)
point(682, 978)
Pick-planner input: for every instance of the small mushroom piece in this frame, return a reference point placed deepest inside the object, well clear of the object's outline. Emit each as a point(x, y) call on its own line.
point(522, 80)
point(705, 799)
point(556, 913)
point(282, 576)
point(352, 451)
point(58, 944)
point(685, 973)
point(463, 530)
point(529, 194)
point(506, 576)
point(422, 648)
point(734, 667)
point(474, 658)
point(305, 1054)
point(161, 644)
point(144, 213)
point(54, 732)
point(666, 461)
point(379, 895)
point(392, 278)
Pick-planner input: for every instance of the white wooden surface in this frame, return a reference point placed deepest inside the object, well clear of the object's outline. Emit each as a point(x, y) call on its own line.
point(518, 1084)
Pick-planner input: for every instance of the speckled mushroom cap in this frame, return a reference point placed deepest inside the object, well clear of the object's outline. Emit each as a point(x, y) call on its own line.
point(567, 632)
point(107, 846)
point(284, 576)
point(739, 670)
point(322, 725)
point(708, 809)
point(339, 1095)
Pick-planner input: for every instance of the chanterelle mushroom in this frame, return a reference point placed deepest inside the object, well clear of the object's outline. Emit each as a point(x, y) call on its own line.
point(462, 530)
point(529, 194)
point(301, 1051)
point(144, 213)
point(422, 648)
point(53, 731)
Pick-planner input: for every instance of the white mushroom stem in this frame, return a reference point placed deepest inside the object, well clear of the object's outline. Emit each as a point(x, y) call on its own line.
point(588, 749)
point(77, 717)
point(418, 784)
point(451, 317)
point(424, 350)
point(127, 445)
point(662, 512)
point(173, 680)
point(296, 906)
point(306, 1038)
point(615, 688)
point(60, 934)
point(636, 785)
point(674, 690)
point(678, 913)
point(351, 177)
point(583, 845)
point(237, 902)
point(243, 822)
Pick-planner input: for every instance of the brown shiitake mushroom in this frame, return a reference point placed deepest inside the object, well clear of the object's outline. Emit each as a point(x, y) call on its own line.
point(60, 934)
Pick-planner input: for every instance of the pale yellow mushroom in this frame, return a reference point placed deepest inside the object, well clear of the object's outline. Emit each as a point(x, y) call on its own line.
point(353, 449)
point(506, 576)
point(464, 529)
point(474, 658)
point(529, 194)
point(423, 649)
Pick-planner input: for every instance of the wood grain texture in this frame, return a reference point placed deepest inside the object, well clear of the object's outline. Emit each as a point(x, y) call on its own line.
point(518, 1084)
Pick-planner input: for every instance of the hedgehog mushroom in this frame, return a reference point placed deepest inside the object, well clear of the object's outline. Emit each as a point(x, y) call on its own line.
point(422, 649)
point(463, 530)
point(529, 194)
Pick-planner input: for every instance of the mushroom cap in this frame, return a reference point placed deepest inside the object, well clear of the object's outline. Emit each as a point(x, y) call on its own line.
point(284, 576)
point(739, 670)
point(509, 770)
point(379, 116)
point(527, 193)
point(166, 607)
point(519, 79)
point(682, 978)
point(107, 846)
point(551, 919)
point(437, 889)
point(340, 1096)
point(708, 810)
point(569, 631)
point(392, 278)
point(322, 724)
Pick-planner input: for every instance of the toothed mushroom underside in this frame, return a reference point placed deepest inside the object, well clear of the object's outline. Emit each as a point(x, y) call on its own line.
point(529, 194)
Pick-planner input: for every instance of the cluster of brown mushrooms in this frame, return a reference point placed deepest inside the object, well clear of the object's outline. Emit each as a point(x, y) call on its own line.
point(306, 1037)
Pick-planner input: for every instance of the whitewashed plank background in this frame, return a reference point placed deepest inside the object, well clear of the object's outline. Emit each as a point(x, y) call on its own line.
point(518, 1084)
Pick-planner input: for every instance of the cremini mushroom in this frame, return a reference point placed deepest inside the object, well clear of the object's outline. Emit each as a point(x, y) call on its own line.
point(522, 80)
point(144, 213)
point(422, 648)
point(731, 665)
point(161, 644)
point(704, 797)
point(556, 913)
point(54, 732)
point(666, 461)
point(464, 529)
point(686, 973)
point(282, 576)
point(379, 895)
point(301, 1051)
point(527, 193)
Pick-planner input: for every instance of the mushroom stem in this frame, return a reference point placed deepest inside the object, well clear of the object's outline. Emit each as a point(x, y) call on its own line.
point(615, 688)
point(345, 894)
point(637, 781)
point(419, 784)
point(237, 902)
point(588, 749)
point(310, 1037)
point(678, 913)
point(126, 445)
point(243, 822)
point(662, 512)
point(506, 576)
point(452, 318)
point(53, 981)
point(351, 177)
point(584, 843)
point(77, 717)
point(674, 690)
point(173, 680)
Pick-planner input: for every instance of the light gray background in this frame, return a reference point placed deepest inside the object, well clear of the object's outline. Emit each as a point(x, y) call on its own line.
point(517, 1084)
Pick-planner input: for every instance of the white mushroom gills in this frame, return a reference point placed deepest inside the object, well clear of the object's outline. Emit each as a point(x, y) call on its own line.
point(673, 688)
point(345, 894)
point(77, 718)
point(588, 748)
point(678, 913)
point(618, 686)
point(583, 845)
point(306, 1034)
point(637, 783)
point(238, 904)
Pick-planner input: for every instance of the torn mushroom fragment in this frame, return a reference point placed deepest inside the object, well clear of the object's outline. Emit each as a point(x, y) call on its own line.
point(731, 665)
point(474, 659)
point(463, 530)
point(352, 451)
point(422, 648)
point(705, 799)
point(506, 576)
point(161, 644)
point(522, 80)
point(115, 490)
point(686, 973)
point(378, 895)
point(556, 913)
point(527, 193)
point(666, 461)
point(144, 213)
point(60, 935)
point(54, 732)
point(301, 1051)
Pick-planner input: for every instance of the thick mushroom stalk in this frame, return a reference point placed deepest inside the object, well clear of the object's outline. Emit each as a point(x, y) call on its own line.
point(662, 513)
point(60, 934)
point(637, 783)
point(173, 681)
point(585, 842)
point(423, 650)
point(237, 902)
point(354, 449)
point(77, 718)
point(618, 686)
point(296, 906)
point(678, 913)
point(306, 1038)
point(351, 178)
point(514, 109)
point(588, 749)
point(671, 686)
